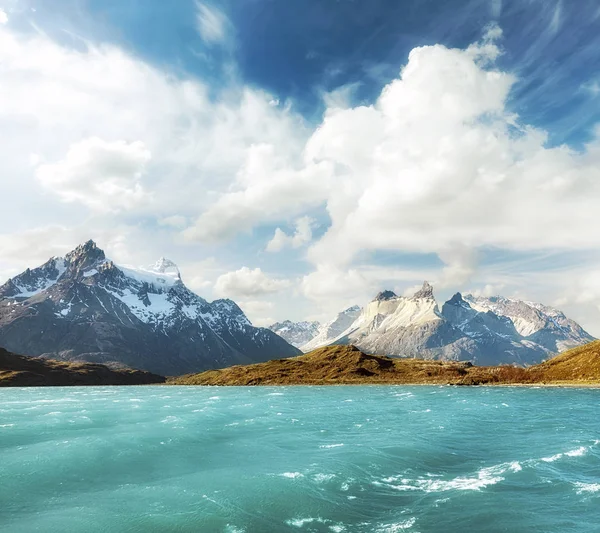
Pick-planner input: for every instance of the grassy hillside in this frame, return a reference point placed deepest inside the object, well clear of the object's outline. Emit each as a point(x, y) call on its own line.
point(581, 364)
point(20, 371)
point(348, 365)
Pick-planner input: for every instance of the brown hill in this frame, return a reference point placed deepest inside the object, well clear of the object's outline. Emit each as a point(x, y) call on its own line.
point(578, 365)
point(21, 371)
point(348, 365)
point(334, 365)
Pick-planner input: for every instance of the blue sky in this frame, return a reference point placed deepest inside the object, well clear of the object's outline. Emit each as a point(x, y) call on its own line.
point(227, 122)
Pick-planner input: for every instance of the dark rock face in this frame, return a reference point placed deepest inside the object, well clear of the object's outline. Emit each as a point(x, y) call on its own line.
point(83, 307)
point(385, 295)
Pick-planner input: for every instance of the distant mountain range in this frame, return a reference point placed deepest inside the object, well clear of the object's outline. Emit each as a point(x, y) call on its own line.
point(486, 331)
point(85, 307)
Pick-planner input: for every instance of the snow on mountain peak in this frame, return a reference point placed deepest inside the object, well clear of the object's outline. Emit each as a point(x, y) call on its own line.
point(164, 266)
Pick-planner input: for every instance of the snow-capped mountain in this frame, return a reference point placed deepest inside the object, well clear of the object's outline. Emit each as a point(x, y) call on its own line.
point(487, 331)
point(310, 335)
point(539, 323)
point(85, 307)
point(331, 330)
point(296, 333)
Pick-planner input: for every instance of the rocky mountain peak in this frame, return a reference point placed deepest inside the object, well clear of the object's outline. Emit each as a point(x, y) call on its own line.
point(85, 256)
point(457, 299)
point(385, 295)
point(426, 292)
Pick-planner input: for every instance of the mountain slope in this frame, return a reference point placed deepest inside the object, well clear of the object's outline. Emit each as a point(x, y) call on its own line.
point(296, 333)
point(329, 331)
point(541, 324)
point(85, 307)
point(20, 371)
point(581, 364)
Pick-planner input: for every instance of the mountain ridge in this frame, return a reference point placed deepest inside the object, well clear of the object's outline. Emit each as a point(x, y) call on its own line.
point(487, 331)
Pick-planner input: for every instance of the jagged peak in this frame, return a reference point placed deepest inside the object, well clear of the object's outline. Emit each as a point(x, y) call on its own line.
point(457, 299)
point(385, 295)
point(164, 265)
point(85, 255)
point(425, 292)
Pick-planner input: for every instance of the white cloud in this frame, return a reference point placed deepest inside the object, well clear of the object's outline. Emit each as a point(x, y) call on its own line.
point(246, 282)
point(3, 17)
point(257, 311)
point(105, 176)
point(301, 236)
point(269, 186)
point(64, 110)
point(211, 23)
point(556, 21)
point(174, 221)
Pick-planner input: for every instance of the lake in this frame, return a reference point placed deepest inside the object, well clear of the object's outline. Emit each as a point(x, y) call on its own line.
point(299, 459)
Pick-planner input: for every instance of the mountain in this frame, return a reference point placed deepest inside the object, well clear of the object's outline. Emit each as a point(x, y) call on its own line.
point(331, 330)
point(20, 371)
point(296, 333)
point(486, 331)
point(85, 307)
point(543, 325)
point(335, 365)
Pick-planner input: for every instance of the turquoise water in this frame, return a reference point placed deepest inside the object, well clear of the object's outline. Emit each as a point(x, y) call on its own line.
point(332, 459)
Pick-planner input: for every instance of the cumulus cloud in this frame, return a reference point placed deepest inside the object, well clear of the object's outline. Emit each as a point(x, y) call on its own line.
point(438, 161)
point(247, 282)
point(301, 236)
point(102, 175)
point(269, 186)
point(3, 17)
point(212, 24)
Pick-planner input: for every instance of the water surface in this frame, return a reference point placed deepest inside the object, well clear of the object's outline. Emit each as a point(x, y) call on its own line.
point(279, 459)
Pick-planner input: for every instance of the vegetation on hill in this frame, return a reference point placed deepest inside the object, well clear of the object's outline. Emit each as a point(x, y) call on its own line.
point(21, 371)
point(348, 365)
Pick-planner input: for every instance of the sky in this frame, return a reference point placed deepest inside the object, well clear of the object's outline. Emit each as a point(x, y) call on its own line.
point(298, 156)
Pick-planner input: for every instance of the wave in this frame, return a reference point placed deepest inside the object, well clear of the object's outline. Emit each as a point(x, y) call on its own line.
point(586, 488)
point(483, 478)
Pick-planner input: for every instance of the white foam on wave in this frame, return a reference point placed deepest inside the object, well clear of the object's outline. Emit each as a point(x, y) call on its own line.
point(483, 478)
point(320, 478)
point(335, 527)
point(397, 526)
point(292, 475)
point(577, 452)
point(234, 529)
point(586, 488)
point(582, 450)
point(327, 446)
